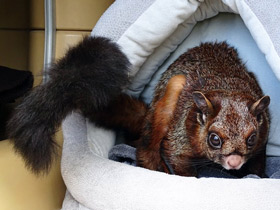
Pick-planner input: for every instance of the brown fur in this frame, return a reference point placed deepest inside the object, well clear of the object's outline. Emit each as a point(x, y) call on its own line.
point(205, 93)
point(86, 79)
point(216, 96)
point(124, 113)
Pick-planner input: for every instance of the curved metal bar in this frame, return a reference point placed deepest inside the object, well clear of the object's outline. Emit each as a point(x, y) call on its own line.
point(50, 28)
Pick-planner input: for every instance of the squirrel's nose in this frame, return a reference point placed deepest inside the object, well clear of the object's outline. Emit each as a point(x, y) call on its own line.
point(234, 161)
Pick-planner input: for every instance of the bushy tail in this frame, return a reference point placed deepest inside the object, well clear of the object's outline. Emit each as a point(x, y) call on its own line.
point(87, 78)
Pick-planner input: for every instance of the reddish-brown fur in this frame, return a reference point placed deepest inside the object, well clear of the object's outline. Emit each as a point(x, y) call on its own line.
point(125, 113)
point(216, 99)
point(206, 107)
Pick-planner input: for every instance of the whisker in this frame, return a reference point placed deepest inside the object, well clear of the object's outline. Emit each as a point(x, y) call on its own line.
point(199, 163)
point(258, 151)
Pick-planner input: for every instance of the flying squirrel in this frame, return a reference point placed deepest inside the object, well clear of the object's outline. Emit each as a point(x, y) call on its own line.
point(206, 107)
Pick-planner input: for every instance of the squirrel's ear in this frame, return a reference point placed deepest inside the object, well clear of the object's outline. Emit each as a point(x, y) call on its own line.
point(202, 102)
point(260, 105)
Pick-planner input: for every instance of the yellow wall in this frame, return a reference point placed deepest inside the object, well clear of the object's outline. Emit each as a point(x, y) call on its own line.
point(22, 47)
point(21, 190)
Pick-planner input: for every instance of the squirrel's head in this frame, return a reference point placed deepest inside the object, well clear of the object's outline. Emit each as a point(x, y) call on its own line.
point(233, 126)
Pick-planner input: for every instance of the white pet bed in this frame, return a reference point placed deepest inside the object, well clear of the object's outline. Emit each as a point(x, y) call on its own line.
point(153, 33)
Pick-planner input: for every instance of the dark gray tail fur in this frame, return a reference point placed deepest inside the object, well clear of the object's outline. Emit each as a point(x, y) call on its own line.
point(87, 78)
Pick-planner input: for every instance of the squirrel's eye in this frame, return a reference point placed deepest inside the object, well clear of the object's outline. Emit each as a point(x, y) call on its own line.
point(214, 141)
point(251, 141)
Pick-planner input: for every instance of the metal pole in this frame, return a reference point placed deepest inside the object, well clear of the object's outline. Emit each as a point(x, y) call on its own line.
point(50, 28)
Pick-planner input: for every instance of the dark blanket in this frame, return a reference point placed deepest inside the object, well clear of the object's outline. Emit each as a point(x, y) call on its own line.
point(126, 154)
point(14, 83)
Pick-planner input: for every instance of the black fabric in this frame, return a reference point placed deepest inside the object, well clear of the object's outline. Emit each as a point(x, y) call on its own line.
point(14, 83)
point(126, 154)
point(5, 113)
